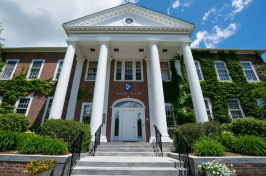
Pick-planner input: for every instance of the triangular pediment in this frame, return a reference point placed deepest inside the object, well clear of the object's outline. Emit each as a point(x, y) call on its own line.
point(116, 17)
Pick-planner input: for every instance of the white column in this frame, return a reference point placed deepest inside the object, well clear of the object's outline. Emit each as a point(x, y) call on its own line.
point(99, 89)
point(62, 84)
point(74, 90)
point(194, 84)
point(158, 96)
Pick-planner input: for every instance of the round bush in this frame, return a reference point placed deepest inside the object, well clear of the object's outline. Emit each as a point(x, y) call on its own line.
point(206, 146)
point(249, 126)
point(7, 141)
point(67, 130)
point(14, 122)
point(250, 145)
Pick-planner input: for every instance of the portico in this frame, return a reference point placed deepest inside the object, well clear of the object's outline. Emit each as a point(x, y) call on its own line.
point(118, 43)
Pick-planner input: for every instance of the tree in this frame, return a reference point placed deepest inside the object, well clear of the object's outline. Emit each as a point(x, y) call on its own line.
point(2, 60)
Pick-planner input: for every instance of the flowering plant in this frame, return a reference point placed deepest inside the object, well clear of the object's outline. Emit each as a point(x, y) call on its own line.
point(38, 166)
point(215, 168)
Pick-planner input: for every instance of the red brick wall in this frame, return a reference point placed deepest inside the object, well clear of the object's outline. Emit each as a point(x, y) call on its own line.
point(12, 168)
point(119, 86)
point(250, 169)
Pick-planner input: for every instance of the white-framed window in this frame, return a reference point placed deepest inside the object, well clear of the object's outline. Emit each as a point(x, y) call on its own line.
point(128, 70)
point(198, 68)
point(47, 109)
point(165, 71)
point(249, 71)
point(222, 71)
point(208, 108)
point(9, 69)
point(23, 105)
point(91, 70)
point(170, 119)
point(235, 109)
point(85, 115)
point(35, 68)
point(58, 69)
point(1, 99)
point(261, 102)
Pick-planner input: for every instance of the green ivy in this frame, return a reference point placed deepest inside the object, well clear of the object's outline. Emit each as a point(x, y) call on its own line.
point(20, 86)
point(84, 94)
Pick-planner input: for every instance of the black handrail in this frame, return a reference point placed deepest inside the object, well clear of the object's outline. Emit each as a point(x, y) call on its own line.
point(183, 148)
point(97, 140)
point(75, 148)
point(158, 140)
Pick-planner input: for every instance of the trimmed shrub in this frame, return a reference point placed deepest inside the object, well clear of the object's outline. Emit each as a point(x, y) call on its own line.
point(193, 131)
point(67, 130)
point(206, 146)
point(35, 128)
point(250, 145)
point(14, 122)
point(227, 140)
point(7, 141)
point(35, 144)
point(249, 126)
point(226, 126)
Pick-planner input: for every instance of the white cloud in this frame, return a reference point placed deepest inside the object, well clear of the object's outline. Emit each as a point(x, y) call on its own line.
point(217, 35)
point(176, 4)
point(212, 10)
point(187, 4)
point(168, 10)
point(239, 5)
point(39, 23)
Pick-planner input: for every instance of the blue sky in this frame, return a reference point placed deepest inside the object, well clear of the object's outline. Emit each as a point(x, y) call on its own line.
point(220, 23)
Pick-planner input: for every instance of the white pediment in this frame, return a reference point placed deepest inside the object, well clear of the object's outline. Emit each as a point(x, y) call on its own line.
point(115, 17)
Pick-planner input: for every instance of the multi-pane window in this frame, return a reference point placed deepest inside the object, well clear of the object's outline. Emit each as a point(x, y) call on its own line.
point(208, 108)
point(198, 68)
point(165, 71)
point(35, 69)
point(128, 71)
point(235, 109)
point(169, 116)
point(58, 69)
point(261, 102)
point(86, 112)
point(47, 109)
point(222, 71)
point(118, 70)
point(9, 69)
point(249, 71)
point(23, 105)
point(92, 70)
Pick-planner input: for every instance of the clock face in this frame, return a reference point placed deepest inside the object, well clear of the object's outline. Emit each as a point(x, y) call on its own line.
point(129, 20)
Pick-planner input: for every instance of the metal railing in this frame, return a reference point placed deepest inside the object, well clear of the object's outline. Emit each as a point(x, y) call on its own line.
point(158, 141)
point(97, 140)
point(75, 148)
point(183, 148)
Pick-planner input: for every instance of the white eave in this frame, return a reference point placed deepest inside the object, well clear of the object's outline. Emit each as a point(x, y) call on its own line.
point(237, 51)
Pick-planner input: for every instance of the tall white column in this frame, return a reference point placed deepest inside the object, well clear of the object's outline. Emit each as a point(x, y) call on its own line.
point(194, 84)
point(62, 84)
point(158, 96)
point(99, 89)
point(74, 90)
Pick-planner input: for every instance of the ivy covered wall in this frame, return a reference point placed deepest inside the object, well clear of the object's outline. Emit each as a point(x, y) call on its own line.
point(178, 94)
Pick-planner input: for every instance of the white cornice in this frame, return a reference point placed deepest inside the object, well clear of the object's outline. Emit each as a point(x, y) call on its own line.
point(237, 51)
point(35, 49)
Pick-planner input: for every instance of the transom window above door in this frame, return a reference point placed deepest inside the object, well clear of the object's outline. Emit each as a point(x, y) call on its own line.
point(128, 104)
point(128, 71)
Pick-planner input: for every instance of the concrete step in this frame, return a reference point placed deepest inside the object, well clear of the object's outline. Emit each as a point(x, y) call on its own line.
point(84, 170)
point(127, 153)
point(129, 150)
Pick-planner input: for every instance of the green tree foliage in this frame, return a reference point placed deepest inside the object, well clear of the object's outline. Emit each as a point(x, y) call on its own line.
point(2, 60)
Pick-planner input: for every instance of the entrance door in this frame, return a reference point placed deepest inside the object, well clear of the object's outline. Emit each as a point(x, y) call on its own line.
point(128, 125)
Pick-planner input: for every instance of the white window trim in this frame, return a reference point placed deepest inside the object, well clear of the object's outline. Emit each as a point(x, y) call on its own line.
point(82, 110)
point(30, 97)
point(13, 70)
point(87, 68)
point(170, 73)
point(46, 107)
point(56, 70)
point(209, 104)
point(199, 69)
point(169, 104)
point(134, 70)
point(31, 67)
point(1, 99)
point(243, 114)
point(258, 79)
point(230, 79)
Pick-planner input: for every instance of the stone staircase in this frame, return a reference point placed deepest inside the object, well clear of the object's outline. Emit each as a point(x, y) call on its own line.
point(129, 158)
